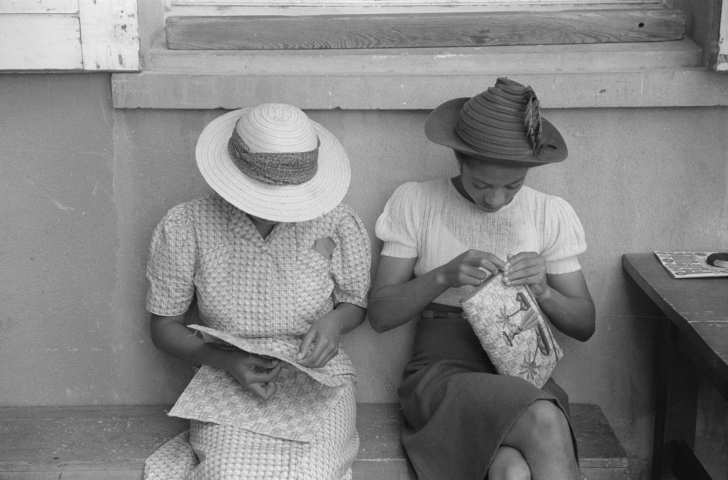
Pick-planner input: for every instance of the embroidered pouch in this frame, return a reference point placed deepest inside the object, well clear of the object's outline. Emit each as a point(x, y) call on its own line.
point(512, 330)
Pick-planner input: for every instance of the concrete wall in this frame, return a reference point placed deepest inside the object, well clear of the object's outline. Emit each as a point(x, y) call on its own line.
point(83, 185)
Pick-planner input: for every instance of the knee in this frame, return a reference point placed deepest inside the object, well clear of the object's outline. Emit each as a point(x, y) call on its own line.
point(509, 464)
point(516, 471)
point(547, 421)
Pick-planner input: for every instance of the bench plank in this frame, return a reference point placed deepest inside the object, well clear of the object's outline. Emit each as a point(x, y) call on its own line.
point(111, 443)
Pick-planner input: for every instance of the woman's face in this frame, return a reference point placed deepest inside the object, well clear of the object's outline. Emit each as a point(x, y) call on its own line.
point(491, 186)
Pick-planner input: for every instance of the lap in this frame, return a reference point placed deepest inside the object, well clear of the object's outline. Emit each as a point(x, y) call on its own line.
point(454, 403)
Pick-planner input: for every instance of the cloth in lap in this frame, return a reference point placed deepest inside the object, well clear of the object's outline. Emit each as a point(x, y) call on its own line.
point(231, 453)
point(209, 451)
point(457, 409)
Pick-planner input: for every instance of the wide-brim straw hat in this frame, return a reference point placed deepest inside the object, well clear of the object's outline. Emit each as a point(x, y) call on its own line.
point(502, 125)
point(274, 128)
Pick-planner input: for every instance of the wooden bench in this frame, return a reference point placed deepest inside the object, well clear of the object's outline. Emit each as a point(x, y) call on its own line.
point(111, 443)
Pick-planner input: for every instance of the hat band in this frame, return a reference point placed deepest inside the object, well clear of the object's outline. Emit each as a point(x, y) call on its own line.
point(274, 168)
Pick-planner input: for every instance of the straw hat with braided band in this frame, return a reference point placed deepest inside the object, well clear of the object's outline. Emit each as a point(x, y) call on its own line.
point(273, 162)
point(501, 125)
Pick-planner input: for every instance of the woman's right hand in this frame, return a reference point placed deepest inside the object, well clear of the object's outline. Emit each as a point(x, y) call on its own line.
point(467, 269)
point(254, 373)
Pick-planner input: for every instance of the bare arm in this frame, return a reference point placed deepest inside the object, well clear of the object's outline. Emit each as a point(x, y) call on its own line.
point(569, 305)
point(254, 372)
point(397, 297)
point(564, 298)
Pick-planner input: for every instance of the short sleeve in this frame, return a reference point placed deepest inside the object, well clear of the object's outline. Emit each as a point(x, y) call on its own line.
point(171, 265)
point(351, 261)
point(399, 223)
point(563, 237)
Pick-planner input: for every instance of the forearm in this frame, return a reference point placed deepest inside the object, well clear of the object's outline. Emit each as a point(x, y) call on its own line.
point(349, 316)
point(391, 306)
point(175, 339)
point(571, 315)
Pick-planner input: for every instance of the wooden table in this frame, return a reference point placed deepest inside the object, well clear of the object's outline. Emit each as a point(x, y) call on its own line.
point(695, 340)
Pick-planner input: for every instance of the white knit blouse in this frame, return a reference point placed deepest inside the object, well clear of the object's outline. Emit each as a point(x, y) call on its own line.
point(434, 223)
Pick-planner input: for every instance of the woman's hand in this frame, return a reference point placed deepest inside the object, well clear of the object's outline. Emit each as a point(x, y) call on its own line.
point(324, 337)
point(526, 268)
point(467, 269)
point(254, 373)
point(564, 297)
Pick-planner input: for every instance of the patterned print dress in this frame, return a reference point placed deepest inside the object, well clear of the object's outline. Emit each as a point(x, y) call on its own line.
point(263, 294)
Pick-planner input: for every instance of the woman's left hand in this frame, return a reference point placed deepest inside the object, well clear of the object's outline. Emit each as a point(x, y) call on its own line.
point(526, 268)
point(324, 336)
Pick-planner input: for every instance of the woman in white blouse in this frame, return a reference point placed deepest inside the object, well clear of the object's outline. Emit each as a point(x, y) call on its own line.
point(442, 238)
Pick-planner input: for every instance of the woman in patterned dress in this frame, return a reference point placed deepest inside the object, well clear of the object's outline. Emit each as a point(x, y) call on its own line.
point(276, 262)
point(441, 238)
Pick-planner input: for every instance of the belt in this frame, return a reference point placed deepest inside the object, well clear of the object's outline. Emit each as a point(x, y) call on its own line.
point(437, 310)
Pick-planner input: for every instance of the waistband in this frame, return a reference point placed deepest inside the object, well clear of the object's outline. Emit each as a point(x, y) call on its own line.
point(437, 339)
point(438, 310)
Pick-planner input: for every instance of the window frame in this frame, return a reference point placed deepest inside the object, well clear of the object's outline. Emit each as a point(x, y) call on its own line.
point(114, 35)
point(69, 35)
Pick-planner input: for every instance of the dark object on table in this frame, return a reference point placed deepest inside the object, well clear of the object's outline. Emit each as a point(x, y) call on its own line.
point(718, 259)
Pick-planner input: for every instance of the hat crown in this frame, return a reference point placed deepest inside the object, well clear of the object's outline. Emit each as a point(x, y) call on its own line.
point(276, 128)
point(501, 125)
point(503, 121)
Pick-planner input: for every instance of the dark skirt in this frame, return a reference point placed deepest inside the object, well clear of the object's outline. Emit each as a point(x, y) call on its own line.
point(457, 409)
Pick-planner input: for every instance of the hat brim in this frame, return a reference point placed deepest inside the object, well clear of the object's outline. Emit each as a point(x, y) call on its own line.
point(440, 128)
point(278, 203)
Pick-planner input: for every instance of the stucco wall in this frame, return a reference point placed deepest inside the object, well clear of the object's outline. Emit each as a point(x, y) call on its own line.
point(83, 185)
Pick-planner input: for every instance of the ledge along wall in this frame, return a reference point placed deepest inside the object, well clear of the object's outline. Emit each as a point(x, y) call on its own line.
point(83, 185)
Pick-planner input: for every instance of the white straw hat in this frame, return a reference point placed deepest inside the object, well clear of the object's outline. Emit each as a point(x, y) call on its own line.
point(274, 130)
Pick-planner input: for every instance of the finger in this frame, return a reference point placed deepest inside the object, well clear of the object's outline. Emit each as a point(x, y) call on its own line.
point(472, 276)
point(263, 390)
point(265, 363)
point(485, 260)
point(522, 258)
point(328, 354)
point(312, 359)
point(306, 342)
point(253, 376)
point(493, 267)
point(525, 277)
point(331, 355)
point(496, 262)
point(474, 271)
point(525, 271)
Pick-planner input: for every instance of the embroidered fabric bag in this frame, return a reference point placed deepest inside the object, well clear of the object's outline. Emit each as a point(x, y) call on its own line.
point(512, 330)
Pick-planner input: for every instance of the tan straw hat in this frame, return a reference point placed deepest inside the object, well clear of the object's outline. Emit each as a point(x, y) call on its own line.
point(501, 125)
point(273, 162)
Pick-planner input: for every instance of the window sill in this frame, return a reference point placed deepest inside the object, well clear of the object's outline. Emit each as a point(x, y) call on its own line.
point(659, 74)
